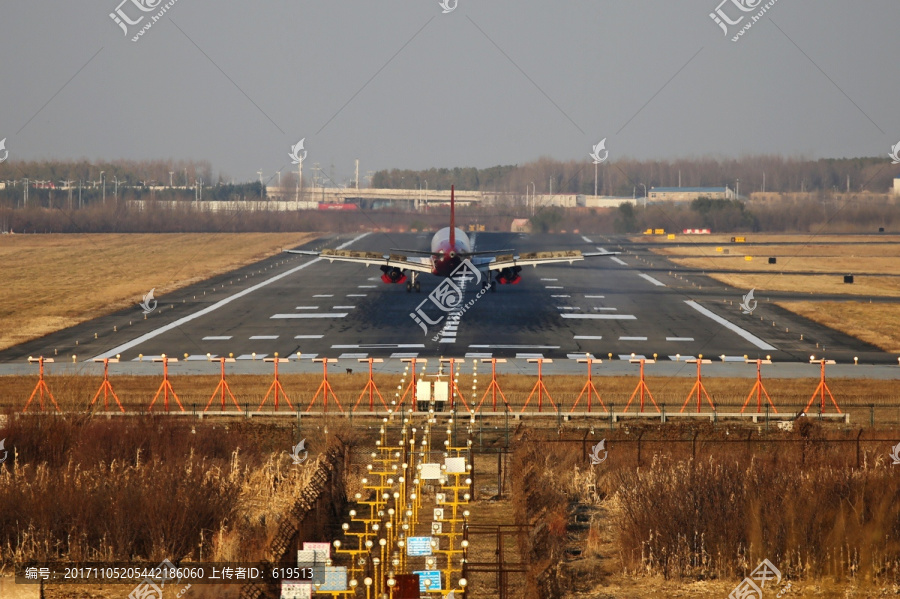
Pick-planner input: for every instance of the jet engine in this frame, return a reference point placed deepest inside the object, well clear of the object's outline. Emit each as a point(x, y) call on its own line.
point(392, 275)
point(509, 276)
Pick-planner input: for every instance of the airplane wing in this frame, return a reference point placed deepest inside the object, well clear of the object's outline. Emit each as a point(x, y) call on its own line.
point(535, 258)
point(369, 258)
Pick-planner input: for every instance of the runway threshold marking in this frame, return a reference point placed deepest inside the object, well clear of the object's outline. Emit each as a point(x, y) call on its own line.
point(212, 308)
point(731, 326)
point(656, 282)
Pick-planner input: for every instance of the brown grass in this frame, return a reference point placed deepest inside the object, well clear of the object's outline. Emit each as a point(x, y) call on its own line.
point(878, 324)
point(55, 281)
point(145, 489)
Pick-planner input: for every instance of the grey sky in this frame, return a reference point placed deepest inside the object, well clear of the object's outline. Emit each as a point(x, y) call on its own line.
point(346, 76)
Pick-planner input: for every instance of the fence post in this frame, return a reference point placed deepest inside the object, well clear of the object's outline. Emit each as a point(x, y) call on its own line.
point(612, 410)
point(872, 415)
point(857, 446)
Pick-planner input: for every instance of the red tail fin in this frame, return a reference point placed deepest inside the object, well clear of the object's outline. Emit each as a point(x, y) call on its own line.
point(452, 218)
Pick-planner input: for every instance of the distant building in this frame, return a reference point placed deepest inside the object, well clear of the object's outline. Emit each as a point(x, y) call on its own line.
point(897, 186)
point(585, 201)
point(687, 194)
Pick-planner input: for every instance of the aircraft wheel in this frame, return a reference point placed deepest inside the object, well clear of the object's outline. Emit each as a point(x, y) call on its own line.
point(408, 287)
point(418, 287)
point(493, 286)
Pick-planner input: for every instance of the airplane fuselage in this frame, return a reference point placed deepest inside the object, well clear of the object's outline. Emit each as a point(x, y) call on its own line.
point(445, 255)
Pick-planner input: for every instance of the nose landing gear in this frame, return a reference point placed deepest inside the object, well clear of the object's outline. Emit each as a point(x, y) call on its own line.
point(414, 283)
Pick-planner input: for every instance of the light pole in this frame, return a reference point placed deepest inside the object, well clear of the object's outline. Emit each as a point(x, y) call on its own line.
point(737, 190)
point(260, 183)
point(533, 194)
point(116, 192)
point(596, 164)
point(645, 194)
point(103, 184)
point(170, 177)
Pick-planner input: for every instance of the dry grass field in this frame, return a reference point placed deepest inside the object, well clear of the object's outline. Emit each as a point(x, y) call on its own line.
point(878, 324)
point(55, 281)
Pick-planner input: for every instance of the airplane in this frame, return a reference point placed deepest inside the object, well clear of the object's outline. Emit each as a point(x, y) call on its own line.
point(450, 247)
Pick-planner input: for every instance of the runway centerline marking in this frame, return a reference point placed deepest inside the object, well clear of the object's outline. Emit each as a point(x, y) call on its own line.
point(223, 302)
point(343, 307)
point(632, 338)
point(560, 296)
point(307, 308)
point(324, 295)
point(553, 287)
point(589, 337)
point(731, 326)
point(308, 336)
point(263, 337)
point(357, 295)
point(679, 338)
point(595, 297)
point(514, 346)
point(617, 261)
point(381, 346)
point(651, 279)
point(217, 338)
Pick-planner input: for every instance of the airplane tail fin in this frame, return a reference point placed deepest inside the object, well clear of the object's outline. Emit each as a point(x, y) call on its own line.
point(452, 217)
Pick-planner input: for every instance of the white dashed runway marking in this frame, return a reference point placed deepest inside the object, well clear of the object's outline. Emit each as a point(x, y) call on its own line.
point(605, 309)
point(550, 280)
point(560, 296)
point(679, 338)
point(568, 308)
point(356, 295)
point(651, 279)
point(632, 338)
point(514, 346)
point(601, 316)
point(263, 337)
point(589, 337)
point(368, 286)
point(217, 338)
point(324, 295)
point(595, 297)
point(343, 307)
point(554, 287)
point(306, 308)
point(617, 261)
point(381, 346)
point(586, 240)
point(308, 336)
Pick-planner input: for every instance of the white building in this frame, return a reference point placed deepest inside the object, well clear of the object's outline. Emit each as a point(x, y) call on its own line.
point(897, 186)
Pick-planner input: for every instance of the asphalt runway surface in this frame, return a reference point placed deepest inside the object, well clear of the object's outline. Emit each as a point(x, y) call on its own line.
point(600, 306)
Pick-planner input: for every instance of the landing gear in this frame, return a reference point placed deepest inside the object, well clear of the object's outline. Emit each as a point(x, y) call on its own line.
point(493, 286)
point(413, 283)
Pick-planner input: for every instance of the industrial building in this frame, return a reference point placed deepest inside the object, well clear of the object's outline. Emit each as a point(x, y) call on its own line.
point(688, 194)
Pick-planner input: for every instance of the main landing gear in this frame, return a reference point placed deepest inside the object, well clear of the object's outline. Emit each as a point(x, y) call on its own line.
point(489, 283)
point(413, 283)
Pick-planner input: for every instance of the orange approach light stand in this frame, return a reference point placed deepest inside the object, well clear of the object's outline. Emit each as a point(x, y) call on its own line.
point(106, 386)
point(276, 386)
point(41, 386)
point(494, 387)
point(371, 388)
point(643, 389)
point(760, 390)
point(325, 388)
point(589, 387)
point(698, 388)
point(539, 387)
point(821, 390)
point(454, 388)
point(166, 386)
point(222, 387)
point(411, 387)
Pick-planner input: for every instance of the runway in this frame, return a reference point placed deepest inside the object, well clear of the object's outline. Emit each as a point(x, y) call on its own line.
point(605, 306)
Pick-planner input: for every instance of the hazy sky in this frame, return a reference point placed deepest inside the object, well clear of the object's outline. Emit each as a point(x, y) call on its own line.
point(400, 84)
